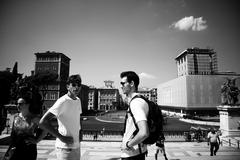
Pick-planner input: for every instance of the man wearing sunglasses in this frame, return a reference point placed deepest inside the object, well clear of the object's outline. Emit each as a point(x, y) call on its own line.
point(67, 110)
point(132, 147)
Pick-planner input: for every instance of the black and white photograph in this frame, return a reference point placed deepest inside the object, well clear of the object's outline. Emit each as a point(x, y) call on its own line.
point(119, 79)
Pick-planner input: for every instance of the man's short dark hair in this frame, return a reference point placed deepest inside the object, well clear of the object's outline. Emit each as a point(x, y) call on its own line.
point(75, 79)
point(131, 76)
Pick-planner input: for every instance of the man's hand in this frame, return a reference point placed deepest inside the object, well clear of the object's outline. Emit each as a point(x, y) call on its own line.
point(125, 147)
point(66, 139)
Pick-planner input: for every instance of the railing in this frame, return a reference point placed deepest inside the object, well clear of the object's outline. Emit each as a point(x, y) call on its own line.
point(87, 135)
point(170, 136)
point(231, 142)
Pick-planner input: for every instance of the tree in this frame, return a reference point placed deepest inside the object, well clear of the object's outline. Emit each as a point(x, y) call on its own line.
point(42, 81)
point(6, 81)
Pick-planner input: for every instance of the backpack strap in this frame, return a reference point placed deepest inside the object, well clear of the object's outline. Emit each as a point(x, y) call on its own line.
point(130, 111)
point(134, 120)
point(126, 116)
point(137, 129)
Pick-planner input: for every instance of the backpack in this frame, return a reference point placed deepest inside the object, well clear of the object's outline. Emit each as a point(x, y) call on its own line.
point(154, 121)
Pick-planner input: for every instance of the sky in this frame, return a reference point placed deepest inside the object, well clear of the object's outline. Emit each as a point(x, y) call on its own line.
point(105, 37)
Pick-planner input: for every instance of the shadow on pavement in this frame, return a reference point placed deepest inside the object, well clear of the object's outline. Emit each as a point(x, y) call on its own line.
point(5, 140)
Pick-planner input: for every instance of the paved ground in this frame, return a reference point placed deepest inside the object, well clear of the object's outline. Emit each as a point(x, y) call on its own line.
point(103, 150)
point(111, 151)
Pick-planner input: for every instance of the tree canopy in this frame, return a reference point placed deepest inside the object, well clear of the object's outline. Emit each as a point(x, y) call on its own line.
point(6, 81)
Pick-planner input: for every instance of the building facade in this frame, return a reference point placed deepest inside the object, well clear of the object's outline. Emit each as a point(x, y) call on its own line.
point(154, 95)
point(197, 89)
point(193, 93)
point(197, 61)
point(92, 98)
point(150, 94)
point(57, 63)
point(108, 97)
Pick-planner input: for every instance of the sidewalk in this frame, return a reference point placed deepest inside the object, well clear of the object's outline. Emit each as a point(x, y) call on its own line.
point(111, 151)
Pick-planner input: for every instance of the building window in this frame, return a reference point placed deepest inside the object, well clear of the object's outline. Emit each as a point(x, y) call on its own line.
point(52, 96)
point(46, 97)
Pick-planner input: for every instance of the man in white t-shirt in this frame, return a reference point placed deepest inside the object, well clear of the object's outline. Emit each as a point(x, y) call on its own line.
point(132, 147)
point(214, 140)
point(66, 110)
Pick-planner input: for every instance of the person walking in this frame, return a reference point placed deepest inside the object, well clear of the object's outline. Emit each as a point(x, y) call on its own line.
point(214, 140)
point(25, 133)
point(160, 147)
point(66, 110)
point(132, 147)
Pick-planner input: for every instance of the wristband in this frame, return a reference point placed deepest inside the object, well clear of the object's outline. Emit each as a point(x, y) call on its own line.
point(127, 144)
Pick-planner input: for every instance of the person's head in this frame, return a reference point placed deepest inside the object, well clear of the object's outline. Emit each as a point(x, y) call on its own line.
point(74, 83)
point(212, 130)
point(23, 105)
point(29, 100)
point(129, 82)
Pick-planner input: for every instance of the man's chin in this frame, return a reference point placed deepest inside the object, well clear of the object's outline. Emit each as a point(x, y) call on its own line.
point(76, 93)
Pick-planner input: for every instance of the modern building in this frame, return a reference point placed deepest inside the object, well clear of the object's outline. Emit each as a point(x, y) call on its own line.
point(193, 94)
point(197, 89)
point(197, 61)
point(57, 63)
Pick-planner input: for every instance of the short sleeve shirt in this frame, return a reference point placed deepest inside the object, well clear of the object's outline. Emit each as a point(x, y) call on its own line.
point(68, 113)
point(213, 137)
point(139, 108)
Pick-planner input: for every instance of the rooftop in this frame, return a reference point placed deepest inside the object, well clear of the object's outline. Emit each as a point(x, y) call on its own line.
point(195, 51)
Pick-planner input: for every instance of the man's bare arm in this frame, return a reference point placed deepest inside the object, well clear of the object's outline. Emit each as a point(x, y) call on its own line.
point(142, 134)
point(45, 123)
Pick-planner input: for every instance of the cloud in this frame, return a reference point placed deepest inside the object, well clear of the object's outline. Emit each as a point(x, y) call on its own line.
point(146, 76)
point(190, 23)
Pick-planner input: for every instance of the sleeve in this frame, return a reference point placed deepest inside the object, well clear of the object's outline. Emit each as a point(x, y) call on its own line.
point(208, 136)
point(56, 109)
point(139, 109)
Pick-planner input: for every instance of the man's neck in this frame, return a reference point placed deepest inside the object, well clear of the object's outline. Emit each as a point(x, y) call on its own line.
point(72, 96)
point(131, 95)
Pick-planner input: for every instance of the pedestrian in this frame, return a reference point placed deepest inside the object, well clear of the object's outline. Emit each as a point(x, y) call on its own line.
point(25, 133)
point(214, 140)
point(160, 147)
point(132, 147)
point(199, 134)
point(66, 110)
point(95, 136)
point(102, 132)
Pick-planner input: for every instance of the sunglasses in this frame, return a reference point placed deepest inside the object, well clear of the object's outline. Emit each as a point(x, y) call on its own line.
point(20, 104)
point(123, 83)
point(76, 84)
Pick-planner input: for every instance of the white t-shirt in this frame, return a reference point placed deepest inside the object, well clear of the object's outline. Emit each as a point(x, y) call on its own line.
point(139, 109)
point(213, 137)
point(68, 113)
